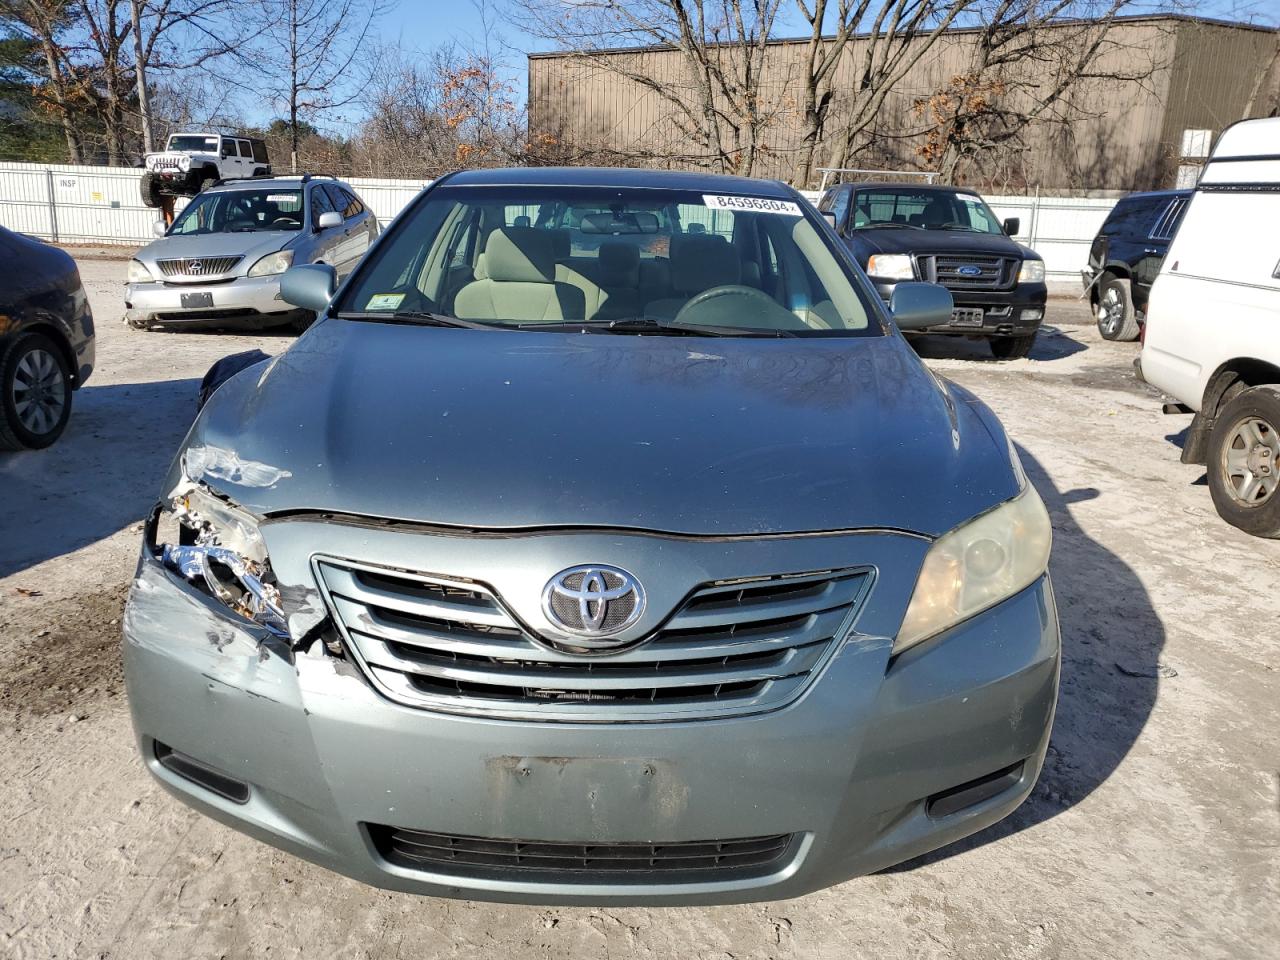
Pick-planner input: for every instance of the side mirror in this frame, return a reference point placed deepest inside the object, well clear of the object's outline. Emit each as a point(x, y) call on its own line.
point(1011, 226)
point(158, 227)
point(917, 305)
point(330, 218)
point(830, 217)
point(309, 285)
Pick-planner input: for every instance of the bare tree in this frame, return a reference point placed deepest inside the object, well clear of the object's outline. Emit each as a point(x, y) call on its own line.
point(878, 42)
point(313, 56)
point(1031, 66)
point(718, 115)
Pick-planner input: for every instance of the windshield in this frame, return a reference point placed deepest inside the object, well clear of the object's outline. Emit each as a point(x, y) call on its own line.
point(193, 143)
point(240, 211)
point(635, 261)
point(923, 210)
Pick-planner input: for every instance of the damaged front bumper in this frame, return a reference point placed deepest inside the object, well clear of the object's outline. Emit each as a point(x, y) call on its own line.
point(875, 763)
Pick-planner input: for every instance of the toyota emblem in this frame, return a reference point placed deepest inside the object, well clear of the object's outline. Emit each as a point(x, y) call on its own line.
point(593, 601)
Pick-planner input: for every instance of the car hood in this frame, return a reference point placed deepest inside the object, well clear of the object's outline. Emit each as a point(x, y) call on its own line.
point(251, 246)
point(943, 241)
point(509, 430)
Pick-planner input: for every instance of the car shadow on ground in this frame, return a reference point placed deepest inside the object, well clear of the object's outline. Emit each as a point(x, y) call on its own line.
point(1112, 638)
point(102, 475)
point(1053, 343)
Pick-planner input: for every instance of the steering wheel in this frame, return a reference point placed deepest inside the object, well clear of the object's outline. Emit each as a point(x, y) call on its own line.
point(722, 303)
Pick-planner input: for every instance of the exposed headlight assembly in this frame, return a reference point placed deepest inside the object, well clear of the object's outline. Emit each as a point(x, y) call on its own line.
point(184, 163)
point(977, 565)
point(1032, 271)
point(891, 266)
point(138, 272)
point(221, 550)
point(272, 263)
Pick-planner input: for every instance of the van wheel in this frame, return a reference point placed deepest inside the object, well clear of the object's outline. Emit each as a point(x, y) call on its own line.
point(1116, 317)
point(1012, 348)
point(35, 393)
point(1244, 461)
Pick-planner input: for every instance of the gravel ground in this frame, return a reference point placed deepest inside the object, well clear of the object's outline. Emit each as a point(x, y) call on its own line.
point(1154, 831)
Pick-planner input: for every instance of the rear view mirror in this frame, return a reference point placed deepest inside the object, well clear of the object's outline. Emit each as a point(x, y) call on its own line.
point(918, 305)
point(309, 285)
point(1011, 226)
point(330, 218)
point(158, 228)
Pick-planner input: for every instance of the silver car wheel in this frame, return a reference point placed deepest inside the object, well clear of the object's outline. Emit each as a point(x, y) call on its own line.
point(38, 391)
point(1251, 461)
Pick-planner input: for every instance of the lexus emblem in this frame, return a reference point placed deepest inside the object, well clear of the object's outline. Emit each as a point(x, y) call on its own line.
point(195, 266)
point(593, 602)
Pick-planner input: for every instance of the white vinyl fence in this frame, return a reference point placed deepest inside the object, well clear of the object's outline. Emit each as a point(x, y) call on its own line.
point(83, 204)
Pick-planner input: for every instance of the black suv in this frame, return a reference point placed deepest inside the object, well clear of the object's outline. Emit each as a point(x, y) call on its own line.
point(945, 235)
point(1125, 259)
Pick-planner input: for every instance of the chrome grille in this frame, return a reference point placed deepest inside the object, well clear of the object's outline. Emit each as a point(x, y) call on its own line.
point(729, 648)
point(992, 272)
point(198, 266)
point(685, 861)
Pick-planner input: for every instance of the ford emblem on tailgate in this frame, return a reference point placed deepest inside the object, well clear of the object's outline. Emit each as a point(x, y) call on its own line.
point(969, 270)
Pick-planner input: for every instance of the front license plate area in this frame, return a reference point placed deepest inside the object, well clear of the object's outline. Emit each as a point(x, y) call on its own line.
point(966, 317)
point(193, 301)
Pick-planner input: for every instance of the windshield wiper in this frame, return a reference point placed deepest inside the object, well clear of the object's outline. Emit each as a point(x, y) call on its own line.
point(627, 325)
point(420, 317)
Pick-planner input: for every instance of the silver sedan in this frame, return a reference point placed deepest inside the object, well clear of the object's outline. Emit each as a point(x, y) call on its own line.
point(221, 260)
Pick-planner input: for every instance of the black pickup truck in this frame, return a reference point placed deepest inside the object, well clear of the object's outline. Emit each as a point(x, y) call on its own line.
point(1125, 259)
point(945, 235)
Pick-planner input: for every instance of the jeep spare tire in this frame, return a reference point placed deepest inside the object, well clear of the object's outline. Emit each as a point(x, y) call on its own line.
point(149, 187)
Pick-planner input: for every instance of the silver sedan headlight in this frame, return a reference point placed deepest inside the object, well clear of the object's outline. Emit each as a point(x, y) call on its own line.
point(272, 263)
point(977, 565)
point(219, 548)
point(138, 272)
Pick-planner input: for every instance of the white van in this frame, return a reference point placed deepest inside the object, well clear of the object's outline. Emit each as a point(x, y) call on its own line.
point(1212, 338)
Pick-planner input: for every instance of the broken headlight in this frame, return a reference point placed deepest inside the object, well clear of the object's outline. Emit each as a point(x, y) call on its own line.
point(220, 549)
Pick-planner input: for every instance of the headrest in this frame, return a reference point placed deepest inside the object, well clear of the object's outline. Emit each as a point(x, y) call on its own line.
point(696, 228)
point(522, 220)
point(520, 255)
point(561, 243)
point(700, 261)
point(619, 265)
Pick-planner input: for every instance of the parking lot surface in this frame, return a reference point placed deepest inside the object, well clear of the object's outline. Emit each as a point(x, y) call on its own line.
point(1154, 831)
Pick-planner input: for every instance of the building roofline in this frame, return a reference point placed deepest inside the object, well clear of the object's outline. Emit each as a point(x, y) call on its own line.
point(788, 41)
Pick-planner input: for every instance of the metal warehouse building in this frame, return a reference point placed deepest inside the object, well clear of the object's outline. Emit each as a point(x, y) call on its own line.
point(1198, 75)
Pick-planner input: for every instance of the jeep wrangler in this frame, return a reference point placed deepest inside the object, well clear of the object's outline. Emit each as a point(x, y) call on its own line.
point(191, 162)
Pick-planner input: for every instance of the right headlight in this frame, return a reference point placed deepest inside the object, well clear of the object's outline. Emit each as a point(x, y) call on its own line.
point(977, 565)
point(138, 272)
point(1032, 271)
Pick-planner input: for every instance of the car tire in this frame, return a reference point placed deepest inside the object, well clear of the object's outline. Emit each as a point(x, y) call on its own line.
point(1244, 461)
point(1012, 348)
point(1117, 320)
point(149, 187)
point(33, 362)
